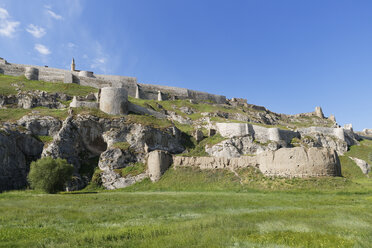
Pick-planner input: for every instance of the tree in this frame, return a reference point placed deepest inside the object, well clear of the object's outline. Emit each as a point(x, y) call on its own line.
point(50, 175)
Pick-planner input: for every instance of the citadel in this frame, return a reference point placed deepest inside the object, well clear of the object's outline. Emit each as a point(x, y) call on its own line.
point(302, 145)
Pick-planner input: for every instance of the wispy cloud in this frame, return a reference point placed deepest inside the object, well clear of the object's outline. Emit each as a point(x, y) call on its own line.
point(53, 14)
point(42, 49)
point(7, 26)
point(71, 45)
point(36, 31)
point(100, 60)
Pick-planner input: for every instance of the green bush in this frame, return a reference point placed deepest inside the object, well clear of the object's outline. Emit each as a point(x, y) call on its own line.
point(50, 175)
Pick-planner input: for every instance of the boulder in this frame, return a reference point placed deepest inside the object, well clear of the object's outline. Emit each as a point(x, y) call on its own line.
point(158, 162)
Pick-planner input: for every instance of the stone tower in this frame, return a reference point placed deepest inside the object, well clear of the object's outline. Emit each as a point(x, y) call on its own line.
point(73, 65)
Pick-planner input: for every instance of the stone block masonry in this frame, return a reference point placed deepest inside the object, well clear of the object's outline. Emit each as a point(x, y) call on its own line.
point(285, 162)
point(86, 78)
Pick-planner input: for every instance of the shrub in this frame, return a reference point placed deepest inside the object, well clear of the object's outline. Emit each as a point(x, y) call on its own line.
point(50, 175)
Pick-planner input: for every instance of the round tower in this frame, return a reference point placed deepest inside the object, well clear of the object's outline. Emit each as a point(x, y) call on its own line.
point(73, 64)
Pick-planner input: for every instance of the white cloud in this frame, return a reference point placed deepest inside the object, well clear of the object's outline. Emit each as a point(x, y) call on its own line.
point(53, 14)
point(3, 13)
point(7, 26)
point(71, 45)
point(36, 31)
point(42, 49)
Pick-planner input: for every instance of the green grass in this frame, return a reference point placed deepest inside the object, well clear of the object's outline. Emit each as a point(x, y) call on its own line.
point(132, 170)
point(45, 139)
point(8, 85)
point(14, 114)
point(185, 219)
point(198, 149)
point(121, 145)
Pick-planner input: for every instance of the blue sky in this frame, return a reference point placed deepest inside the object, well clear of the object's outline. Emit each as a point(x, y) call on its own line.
point(288, 56)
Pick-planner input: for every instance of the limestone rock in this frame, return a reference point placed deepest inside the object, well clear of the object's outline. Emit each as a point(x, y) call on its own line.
point(366, 168)
point(238, 146)
point(158, 162)
point(37, 98)
point(17, 150)
point(332, 118)
point(40, 125)
point(115, 158)
point(112, 180)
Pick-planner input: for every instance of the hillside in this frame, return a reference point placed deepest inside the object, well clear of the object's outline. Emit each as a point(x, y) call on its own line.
point(189, 204)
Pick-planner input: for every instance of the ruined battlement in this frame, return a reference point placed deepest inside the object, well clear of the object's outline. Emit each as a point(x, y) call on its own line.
point(88, 78)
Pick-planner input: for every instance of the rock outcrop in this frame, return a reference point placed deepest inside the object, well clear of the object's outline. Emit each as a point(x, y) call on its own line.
point(17, 151)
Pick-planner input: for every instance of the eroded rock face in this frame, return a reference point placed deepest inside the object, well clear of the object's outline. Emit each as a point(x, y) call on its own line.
point(40, 125)
point(84, 136)
point(17, 151)
point(115, 158)
point(112, 180)
point(238, 146)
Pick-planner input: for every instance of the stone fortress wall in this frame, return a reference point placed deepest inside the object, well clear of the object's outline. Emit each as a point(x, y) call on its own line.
point(285, 162)
point(264, 134)
point(87, 78)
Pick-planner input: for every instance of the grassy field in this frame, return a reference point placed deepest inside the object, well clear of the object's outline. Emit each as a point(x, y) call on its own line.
point(194, 208)
point(186, 219)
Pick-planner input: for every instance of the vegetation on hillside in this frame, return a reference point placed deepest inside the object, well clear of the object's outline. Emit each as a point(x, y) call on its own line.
point(50, 175)
point(10, 84)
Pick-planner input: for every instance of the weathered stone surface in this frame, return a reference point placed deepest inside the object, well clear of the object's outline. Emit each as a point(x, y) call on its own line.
point(37, 98)
point(198, 135)
point(285, 162)
point(319, 112)
point(300, 162)
point(114, 101)
point(239, 146)
point(157, 163)
point(332, 118)
point(259, 133)
point(115, 158)
point(17, 150)
point(68, 78)
point(366, 168)
point(86, 104)
point(40, 125)
point(32, 73)
point(112, 180)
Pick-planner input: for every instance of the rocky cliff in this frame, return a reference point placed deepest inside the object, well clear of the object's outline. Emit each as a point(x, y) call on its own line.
point(36, 123)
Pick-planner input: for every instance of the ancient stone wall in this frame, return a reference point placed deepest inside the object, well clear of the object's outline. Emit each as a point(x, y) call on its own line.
point(86, 78)
point(285, 162)
point(259, 133)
